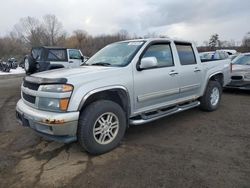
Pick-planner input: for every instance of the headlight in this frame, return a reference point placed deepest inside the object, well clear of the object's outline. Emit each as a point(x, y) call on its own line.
point(59, 97)
point(60, 105)
point(58, 88)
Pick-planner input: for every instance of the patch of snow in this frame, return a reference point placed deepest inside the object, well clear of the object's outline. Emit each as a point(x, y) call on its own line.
point(18, 70)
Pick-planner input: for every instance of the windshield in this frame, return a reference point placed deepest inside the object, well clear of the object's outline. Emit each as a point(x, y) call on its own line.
point(242, 60)
point(117, 54)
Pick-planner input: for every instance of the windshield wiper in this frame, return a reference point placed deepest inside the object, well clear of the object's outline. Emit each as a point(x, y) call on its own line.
point(101, 64)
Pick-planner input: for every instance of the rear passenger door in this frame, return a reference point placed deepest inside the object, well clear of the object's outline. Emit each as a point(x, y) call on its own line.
point(190, 71)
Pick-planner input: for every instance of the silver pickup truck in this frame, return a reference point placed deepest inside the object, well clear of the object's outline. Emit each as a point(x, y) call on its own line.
point(126, 83)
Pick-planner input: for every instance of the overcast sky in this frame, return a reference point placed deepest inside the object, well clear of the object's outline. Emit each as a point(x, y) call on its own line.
point(192, 20)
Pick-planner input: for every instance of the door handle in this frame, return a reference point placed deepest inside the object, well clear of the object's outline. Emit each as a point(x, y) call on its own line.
point(172, 73)
point(71, 61)
point(197, 70)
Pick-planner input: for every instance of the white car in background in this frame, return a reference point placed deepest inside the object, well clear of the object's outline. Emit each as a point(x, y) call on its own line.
point(230, 52)
point(213, 55)
point(47, 58)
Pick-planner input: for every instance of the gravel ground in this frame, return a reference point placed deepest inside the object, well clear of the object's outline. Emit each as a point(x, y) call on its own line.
point(189, 149)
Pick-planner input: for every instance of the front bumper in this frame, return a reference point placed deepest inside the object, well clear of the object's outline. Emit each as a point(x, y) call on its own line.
point(239, 84)
point(61, 127)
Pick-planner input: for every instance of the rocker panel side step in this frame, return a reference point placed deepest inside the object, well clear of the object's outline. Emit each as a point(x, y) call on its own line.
point(157, 114)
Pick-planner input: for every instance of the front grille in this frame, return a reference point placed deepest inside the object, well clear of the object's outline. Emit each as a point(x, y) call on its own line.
point(237, 77)
point(29, 98)
point(32, 86)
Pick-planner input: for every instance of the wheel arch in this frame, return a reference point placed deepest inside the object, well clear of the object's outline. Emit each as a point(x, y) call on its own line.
point(118, 94)
point(218, 76)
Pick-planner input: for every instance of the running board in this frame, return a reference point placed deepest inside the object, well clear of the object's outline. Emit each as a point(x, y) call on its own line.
point(154, 115)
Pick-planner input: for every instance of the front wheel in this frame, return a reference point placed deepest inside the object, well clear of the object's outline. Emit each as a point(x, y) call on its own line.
point(211, 99)
point(101, 127)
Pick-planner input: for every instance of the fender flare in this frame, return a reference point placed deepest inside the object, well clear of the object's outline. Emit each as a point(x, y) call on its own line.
point(108, 88)
point(209, 77)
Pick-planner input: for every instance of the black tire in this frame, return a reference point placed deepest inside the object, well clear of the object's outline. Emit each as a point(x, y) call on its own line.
point(29, 64)
point(7, 69)
point(87, 121)
point(206, 103)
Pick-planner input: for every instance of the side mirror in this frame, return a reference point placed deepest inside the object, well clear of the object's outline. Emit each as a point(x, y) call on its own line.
point(148, 62)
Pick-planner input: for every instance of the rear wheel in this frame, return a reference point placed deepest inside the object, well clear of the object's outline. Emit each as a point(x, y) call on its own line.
point(211, 99)
point(101, 127)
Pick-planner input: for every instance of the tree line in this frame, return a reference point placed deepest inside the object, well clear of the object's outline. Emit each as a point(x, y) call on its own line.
point(30, 32)
point(49, 31)
point(215, 43)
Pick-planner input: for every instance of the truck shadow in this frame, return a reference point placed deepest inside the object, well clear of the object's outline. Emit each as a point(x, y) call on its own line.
point(237, 91)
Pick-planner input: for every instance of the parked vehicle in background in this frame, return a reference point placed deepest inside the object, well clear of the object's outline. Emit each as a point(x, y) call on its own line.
point(232, 57)
point(240, 72)
point(129, 82)
point(4, 66)
point(213, 55)
point(47, 58)
point(12, 63)
point(232, 53)
point(229, 52)
point(21, 63)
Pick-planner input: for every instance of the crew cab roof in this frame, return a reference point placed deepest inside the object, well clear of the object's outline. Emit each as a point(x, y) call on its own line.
point(158, 39)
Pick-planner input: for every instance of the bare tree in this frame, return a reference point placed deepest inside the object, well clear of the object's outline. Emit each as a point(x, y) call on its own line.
point(227, 44)
point(123, 34)
point(53, 29)
point(246, 40)
point(29, 30)
point(205, 43)
point(151, 35)
point(11, 46)
point(81, 37)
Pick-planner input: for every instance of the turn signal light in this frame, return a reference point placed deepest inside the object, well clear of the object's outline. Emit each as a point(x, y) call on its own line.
point(64, 104)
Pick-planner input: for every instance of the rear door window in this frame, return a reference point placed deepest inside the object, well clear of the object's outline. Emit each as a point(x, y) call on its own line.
point(186, 54)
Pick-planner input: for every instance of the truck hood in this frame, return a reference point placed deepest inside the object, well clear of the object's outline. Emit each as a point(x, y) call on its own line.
point(75, 72)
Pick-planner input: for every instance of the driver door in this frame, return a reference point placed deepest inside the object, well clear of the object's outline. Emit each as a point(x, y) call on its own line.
point(157, 86)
